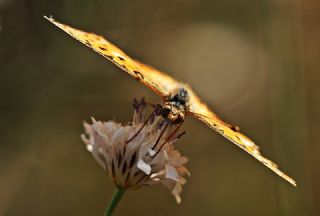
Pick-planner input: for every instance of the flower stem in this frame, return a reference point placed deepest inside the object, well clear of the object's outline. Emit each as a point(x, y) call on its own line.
point(117, 195)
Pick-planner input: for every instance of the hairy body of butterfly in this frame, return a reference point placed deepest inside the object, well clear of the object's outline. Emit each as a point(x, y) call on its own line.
point(175, 107)
point(179, 99)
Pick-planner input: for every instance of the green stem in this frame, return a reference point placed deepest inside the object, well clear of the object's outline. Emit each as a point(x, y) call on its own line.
point(117, 195)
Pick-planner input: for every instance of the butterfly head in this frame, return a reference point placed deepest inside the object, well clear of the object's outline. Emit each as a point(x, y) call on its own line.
point(175, 106)
point(181, 97)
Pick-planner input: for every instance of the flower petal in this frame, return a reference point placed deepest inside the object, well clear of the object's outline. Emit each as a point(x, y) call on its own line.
point(171, 172)
point(143, 166)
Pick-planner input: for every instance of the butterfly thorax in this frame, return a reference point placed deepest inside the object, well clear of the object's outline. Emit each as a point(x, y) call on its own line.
point(175, 106)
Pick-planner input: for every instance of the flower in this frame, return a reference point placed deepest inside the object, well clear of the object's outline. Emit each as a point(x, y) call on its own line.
point(141, 153)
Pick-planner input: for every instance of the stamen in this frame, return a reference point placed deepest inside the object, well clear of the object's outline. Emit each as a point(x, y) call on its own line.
point(119, 157)
point(181, 134)
point(161, 134)
point(153, 118)
point(161, 124)
point(168, 139)
point(124, 168)
point(178, 136)
point(144, 124)
point(127, 178)
point(142, 178)
point(112, 169)
point(138, 106)
point(124, 150)
point(133, 159)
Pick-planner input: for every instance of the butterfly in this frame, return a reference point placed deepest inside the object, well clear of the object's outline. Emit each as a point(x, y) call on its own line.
point(179, 99)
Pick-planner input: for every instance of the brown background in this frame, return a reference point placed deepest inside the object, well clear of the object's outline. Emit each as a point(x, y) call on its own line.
point(256, 62)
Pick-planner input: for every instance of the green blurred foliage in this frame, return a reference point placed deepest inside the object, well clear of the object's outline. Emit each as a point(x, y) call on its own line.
point(255, 62)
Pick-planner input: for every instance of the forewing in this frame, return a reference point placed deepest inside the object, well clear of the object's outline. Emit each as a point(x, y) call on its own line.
point(204, 114)
point(147, 75)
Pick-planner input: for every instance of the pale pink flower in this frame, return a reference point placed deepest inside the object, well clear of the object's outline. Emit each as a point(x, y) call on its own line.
point(136, 157)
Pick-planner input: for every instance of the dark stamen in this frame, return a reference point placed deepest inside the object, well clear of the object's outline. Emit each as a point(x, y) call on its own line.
point(141, 179)
point(139, 105)
point(144, 124)
point(112, 169)
point(124, 150)
point(161, 124)
point(119, 157)
point(127, 178)
point(124, 167)
point(101, 156)
point(168, 139)
point(136, 105)
point(133, 160)
point(179, 135)
point(157, 111)
point(161, 134)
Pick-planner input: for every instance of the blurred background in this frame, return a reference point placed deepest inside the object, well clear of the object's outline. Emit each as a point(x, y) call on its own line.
point(255, 62)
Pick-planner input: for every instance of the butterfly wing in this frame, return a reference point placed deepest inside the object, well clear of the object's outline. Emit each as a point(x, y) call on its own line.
point(163, 85)
point(147, 75)
point(204, 114)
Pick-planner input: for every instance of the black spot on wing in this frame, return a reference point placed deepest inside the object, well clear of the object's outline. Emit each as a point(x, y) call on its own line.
point(87, 42)
point(108, 56)
point(124, 67)
point(237, 137)
point(102, 48)
point(122, 59)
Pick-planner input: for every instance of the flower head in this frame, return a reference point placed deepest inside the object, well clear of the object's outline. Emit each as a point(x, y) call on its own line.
point(138, 154)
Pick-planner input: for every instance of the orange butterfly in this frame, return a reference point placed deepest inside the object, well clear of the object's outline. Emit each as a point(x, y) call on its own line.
point(179, 99)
